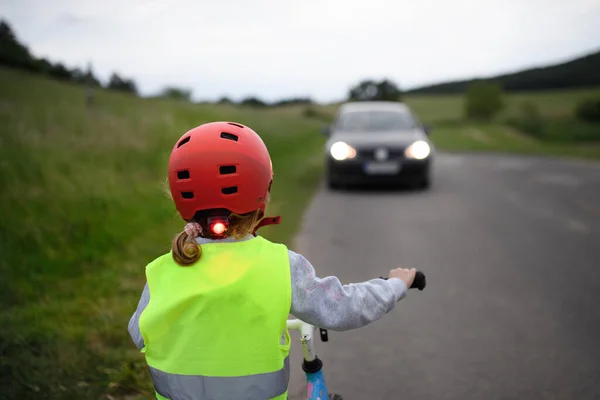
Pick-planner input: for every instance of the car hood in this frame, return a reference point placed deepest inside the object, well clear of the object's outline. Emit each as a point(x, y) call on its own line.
point(369, 139)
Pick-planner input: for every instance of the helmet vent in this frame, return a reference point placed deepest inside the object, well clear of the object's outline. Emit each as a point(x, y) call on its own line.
point(229, 190)
point(229, 136)
point(187, 195)
point(183, 141)
point(234, 124)
point(227, 169)
point(185, 174)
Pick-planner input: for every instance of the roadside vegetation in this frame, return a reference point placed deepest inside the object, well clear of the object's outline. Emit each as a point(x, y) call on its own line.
point(84, 208)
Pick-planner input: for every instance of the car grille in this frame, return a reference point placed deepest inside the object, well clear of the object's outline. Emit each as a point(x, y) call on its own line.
point(369, 154)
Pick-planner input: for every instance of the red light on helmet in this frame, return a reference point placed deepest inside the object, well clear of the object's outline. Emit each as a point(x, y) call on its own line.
point(218, 228)
point(218, 225)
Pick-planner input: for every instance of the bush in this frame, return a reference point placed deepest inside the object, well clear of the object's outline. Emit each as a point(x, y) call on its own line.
point(557, 130)
point(310, 112)
point(528, 119)
point(315, 113)
point(484, 100)
point(571, 130)
point(176, 93)
point(224, 100)
point(588, 110)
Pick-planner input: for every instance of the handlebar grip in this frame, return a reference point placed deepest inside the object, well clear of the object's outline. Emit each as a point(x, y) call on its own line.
point(419, 283)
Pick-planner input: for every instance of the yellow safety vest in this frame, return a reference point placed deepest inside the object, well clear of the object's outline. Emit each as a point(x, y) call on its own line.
point(217, 329)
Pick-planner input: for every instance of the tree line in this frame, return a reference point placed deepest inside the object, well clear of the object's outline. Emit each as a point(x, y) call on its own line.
point(581, 72)
point(16, 55)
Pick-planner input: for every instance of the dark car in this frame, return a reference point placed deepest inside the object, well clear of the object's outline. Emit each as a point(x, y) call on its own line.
point(379, 142)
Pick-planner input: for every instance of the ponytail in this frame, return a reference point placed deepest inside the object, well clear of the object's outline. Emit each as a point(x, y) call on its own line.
point(186, 251)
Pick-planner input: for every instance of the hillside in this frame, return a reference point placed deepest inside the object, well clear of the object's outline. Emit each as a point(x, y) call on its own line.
point(582, 72)
point(83, 212)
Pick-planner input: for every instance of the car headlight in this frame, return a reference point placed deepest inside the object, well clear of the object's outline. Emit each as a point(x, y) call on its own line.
point(342, 151)
point(419, 150)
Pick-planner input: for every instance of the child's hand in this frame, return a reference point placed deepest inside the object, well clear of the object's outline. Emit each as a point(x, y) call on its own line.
point(407, 275)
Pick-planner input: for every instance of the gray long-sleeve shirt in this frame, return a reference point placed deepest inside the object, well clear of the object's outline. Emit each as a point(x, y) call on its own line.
point(323, 302)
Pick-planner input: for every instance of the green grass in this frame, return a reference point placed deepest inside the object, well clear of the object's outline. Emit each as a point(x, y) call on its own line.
point(463, 137)
point(84, 210)
point(562, 135)
point(433, 109)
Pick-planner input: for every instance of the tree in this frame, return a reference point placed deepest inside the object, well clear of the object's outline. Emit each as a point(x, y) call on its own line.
point(176, 93)
point(13, 53)
point(85, 77)
point(484, 100)
point(370, 90)
point(78, 75)
point(224, 100)
point(388, 91)
point(293, 101)
point(59, 71)
point(253, 102)
point(125, 85)
point(44, 66)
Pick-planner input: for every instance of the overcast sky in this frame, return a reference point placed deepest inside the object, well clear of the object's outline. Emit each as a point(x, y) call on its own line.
point(315, 48)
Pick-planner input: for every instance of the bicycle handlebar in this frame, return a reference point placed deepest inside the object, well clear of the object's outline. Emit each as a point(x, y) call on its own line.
point(419, 283)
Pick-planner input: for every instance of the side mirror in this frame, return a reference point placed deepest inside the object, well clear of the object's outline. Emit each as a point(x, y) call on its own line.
point(427, 129)
point(326, 130)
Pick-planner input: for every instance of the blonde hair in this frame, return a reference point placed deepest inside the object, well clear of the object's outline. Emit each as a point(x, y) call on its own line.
point(186, 251)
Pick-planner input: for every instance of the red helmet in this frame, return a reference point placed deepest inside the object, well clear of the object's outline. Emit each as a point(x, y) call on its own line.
point(220, 165)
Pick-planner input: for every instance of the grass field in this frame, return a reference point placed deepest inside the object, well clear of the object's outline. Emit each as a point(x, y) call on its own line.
point(450, 133)
point(83, 211)
point(441, 108)
point(433, 109)
point(502, 138)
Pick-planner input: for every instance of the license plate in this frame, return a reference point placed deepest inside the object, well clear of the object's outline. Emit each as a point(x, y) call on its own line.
point(382, 168)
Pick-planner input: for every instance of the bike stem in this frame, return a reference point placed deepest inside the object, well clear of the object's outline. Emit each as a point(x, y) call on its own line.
point(311, 362)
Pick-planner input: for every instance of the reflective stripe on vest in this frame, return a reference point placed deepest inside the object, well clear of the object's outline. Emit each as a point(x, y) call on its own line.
point(217, 325)
point(194, 387)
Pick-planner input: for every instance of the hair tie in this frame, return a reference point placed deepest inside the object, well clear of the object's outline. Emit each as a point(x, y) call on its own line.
point(193, 229)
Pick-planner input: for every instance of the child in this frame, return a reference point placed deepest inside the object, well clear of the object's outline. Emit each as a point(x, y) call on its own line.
point(212, 317)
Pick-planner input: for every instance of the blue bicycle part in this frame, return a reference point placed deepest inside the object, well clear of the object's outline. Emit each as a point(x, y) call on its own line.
point(316, 388)
point(312, 365)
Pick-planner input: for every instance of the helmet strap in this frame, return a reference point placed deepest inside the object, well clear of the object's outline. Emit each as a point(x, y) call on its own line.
point(267, 221)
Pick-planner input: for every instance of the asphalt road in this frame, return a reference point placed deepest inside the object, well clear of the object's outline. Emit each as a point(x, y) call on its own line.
point(511, 250)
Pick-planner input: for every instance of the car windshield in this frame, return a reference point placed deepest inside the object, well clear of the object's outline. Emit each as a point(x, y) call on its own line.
point(361, 121)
